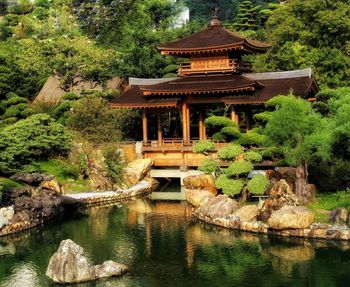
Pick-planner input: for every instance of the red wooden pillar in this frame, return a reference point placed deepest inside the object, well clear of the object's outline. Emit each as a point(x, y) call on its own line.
point(188, 118)
point(159, 125)
point(184, 122)
point(201, 125)
point(144, 126)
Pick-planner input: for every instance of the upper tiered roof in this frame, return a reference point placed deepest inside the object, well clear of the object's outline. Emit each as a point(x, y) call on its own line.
point(214, 38)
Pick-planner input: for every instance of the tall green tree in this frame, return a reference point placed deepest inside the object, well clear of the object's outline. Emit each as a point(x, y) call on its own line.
point(301, 135)
point(310, 33)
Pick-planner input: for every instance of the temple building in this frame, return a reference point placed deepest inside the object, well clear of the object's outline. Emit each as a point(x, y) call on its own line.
point(211, 74)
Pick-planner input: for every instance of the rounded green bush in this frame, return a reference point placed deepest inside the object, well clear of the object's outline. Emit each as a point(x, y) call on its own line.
point(228, 186)
point(258, 185)
point(230, 152)
point(208, 166)
point(204, 146)
point(239, 168)
point(219, 121)
point(219, 136)
point(231, 131)
point(253, 157)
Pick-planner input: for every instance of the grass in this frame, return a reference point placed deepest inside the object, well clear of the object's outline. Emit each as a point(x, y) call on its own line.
point(65, 176)
point(327, 202)
point(7, 183)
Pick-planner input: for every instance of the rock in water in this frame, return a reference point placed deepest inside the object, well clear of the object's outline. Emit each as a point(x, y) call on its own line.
point(198, 197)
point(280, 195)
point(203, 182)
point(247, 213)
point(221, 206)
point(291, 217)
point(70, 265)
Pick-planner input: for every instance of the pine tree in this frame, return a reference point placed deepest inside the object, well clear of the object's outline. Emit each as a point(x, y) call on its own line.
point(248, 16)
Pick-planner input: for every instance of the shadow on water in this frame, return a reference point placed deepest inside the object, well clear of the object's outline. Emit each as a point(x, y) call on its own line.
point(163, 246)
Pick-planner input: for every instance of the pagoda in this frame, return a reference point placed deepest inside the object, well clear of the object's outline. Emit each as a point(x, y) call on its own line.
point(213, 74)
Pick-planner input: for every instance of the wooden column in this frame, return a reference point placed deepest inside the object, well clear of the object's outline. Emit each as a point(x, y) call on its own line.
point(184, 122)
point(159, 125)
point(234, 115)
point(201, 125)
point(188, 118)
point(144, 126)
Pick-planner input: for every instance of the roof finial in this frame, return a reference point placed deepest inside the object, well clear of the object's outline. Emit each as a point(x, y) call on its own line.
point(215, 17)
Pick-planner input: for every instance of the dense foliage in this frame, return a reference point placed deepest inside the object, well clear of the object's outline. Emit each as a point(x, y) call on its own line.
point(34, 138)
point(310, 33)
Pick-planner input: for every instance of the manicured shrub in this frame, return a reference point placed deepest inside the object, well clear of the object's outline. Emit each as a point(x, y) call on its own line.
point(34, 138)
point(239, 168)
point(70, 96)
point(258, 185)
point(252, 138)
point(219, 121)
point(219, 136)
point(208, 166)
point(204, 146)
point(229, 186)
point(253, 157)
point(231, 131)
point(230, 152)
point(114, 163)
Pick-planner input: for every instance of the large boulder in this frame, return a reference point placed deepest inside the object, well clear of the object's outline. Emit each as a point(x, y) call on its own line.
point(247, 213)
point(203, 182)
point(70, 265)
point(291, 217)
point(339, 216)
point(221, 206)
point(281, 194)
point(136, 171)
point(51, 185)
point(6, 215)
point(34, 178)
point(198, 197)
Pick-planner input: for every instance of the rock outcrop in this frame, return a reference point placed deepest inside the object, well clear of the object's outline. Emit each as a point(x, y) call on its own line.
point(136, 171)
point(198, 197)
point(70, 265)
point(247, 213)
point(291, 217)
point(220, 206)
point(339, 216)
point(202, 182)
point(6, 215)
point(33, 179)
point(281, 194)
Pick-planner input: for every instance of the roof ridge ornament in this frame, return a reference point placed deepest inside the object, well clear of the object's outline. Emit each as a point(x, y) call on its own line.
point(215, 20)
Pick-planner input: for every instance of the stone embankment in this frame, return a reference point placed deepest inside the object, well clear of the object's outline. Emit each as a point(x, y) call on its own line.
point(279, 215)
point(42, 199)
point(95, 198)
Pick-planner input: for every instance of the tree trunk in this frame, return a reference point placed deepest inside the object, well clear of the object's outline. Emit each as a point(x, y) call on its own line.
point(244, 195)
point(303, 190)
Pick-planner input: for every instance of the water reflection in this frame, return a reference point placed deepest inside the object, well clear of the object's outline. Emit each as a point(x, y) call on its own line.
point(165, 247)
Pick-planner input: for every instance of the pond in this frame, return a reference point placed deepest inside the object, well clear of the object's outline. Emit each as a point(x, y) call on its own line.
point(163, 246)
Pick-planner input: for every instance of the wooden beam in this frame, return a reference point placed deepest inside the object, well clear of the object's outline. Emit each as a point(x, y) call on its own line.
point(159, 125)
point(144, 126)
point(184, 122)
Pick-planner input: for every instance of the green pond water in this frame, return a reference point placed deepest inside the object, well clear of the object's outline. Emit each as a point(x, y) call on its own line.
point(163, 246)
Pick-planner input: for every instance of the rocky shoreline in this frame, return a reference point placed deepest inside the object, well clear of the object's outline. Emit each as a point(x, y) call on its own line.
point(279, 215)
point(31, 206)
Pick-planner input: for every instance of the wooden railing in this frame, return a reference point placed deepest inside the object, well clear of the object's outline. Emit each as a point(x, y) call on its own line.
point(174, 145)
point(219, 66)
